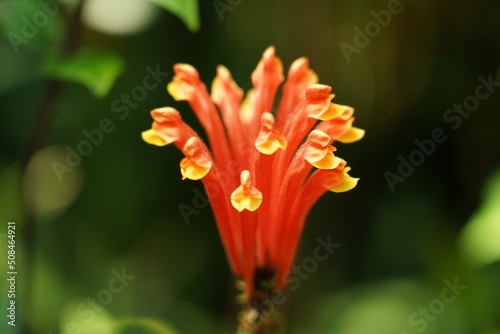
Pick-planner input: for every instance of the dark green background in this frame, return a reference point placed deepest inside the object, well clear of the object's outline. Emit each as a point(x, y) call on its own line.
point(119, 207)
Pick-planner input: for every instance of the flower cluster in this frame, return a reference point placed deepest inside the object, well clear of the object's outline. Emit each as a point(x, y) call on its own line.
point(263, 171)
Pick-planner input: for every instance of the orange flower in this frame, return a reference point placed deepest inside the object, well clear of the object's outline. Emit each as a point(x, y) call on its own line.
point(278, 168)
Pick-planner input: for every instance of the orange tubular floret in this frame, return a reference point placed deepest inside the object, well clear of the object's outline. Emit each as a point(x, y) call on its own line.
point(198, 165)
point(315, 103)
point(300, 76)
point(227, 222)
point(316, 151)
point(186, 85)
point(169, 126)
point(318, 183)
point(266, 78)
point(246, 199)
point(268, 142)
point(228, 96)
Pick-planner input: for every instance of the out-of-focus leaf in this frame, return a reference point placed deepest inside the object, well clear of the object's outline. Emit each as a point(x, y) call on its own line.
point(12, 10)
point(479, 240)
point(144, 325)
point(97, 70)
point(186, 10)
point(36, 24)
point(82, 317)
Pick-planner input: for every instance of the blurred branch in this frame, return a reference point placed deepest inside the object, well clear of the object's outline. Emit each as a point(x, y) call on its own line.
point(46, 111)
point(44, 117)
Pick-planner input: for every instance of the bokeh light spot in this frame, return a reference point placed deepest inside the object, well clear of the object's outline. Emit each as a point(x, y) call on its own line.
point(116, 17)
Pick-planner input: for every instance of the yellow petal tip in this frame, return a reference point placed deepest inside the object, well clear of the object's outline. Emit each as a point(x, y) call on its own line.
point(246, 196)
point(332, 112)
point(173, 90)
point(353, 135)
point(151, 137)
point(190, 170)
point(246, 203)
point(347, 184)
point(271, 146)
point(330, 161)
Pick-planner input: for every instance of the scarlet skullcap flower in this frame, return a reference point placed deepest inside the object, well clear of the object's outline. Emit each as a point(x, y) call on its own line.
point(261, 208)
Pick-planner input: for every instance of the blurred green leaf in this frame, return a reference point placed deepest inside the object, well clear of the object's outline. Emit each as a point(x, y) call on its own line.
point(479, 238)
point(144, 325)
point(97, 70)
point(79, 317)
point(186, 10)
point(12, 10)
point(31, 23)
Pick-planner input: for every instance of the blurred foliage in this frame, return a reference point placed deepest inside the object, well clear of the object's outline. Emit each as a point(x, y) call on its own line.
point(479, 239)
point(381, 308)
point(118, 206)
point(17, 18)
point(93, 69)
point(186, 10)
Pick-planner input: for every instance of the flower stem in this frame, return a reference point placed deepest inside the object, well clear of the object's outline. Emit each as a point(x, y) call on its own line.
point(256, 319)
point(259, 314)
